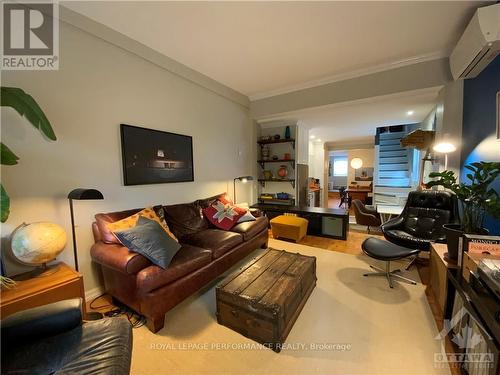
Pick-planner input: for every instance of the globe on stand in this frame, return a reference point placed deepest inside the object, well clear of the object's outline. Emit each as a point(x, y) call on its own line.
point(36, 244)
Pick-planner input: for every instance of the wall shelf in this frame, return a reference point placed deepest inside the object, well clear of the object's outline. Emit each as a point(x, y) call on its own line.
point(276, 141)
point(271, 141)
point(263, 181)
point(262, 162)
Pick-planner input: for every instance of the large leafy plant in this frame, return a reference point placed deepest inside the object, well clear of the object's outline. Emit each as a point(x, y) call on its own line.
point(477, 197)
point(26, 106)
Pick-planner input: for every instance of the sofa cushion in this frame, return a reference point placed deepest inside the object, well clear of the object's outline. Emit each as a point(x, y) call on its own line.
point(149, 239)
point(223, 215)
point(219, 241)
point(131, 221)
point(187, 260)
point(250, 229)
point(103, 219)
point(247, 216)
point(185, 219)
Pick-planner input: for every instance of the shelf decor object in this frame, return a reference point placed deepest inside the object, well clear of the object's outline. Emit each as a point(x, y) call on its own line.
point(283, 171)
point(243, 179)
point(287, 132)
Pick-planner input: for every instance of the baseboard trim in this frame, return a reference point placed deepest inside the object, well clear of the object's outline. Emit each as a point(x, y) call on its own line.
point(93, 293)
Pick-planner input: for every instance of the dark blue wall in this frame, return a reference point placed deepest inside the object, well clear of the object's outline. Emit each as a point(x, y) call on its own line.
point(479, 125)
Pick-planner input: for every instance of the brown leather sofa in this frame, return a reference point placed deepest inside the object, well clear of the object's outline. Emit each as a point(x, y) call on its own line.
point(206, 253)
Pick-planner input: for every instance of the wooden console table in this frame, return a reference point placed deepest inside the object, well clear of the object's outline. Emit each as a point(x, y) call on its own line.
point(64, 283)
point(323, 222)
point(439, 267)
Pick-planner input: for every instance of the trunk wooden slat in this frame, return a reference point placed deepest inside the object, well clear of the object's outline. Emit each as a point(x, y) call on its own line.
point(263, 299)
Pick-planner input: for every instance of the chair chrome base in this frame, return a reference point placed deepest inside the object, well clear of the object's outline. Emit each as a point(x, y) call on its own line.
point(389, 274)
point(415, 260)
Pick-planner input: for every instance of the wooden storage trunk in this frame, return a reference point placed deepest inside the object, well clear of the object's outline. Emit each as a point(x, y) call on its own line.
point(263, 299)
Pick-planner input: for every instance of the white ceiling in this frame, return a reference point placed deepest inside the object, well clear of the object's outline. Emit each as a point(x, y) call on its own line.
point(257, 48)
point(354, 121)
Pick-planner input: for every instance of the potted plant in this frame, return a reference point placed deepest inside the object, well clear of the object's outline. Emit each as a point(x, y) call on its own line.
point(26, 106)
point(476, 198)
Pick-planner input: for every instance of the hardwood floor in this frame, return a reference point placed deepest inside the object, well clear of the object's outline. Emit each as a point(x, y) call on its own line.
point(352, 246)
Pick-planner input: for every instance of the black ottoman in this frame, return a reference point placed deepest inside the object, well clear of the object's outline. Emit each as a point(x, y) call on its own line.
point(387, 251)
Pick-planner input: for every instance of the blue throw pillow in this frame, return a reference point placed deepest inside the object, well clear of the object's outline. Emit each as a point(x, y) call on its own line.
point(149, 239)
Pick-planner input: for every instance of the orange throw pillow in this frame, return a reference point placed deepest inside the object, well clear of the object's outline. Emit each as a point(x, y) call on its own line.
point(131, 222)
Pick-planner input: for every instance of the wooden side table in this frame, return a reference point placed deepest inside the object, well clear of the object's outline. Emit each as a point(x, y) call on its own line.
point(439, 267)
point(62, 284)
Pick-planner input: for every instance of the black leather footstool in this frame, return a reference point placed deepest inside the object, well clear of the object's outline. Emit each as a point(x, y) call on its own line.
point(387, 251)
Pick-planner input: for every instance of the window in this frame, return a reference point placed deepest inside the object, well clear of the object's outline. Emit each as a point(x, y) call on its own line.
point(340, 166)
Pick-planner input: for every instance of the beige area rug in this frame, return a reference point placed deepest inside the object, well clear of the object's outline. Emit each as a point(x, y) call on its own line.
point(350, 325)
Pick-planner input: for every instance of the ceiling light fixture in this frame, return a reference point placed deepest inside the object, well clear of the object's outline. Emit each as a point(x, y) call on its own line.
point(409, 113)
point(312, 136)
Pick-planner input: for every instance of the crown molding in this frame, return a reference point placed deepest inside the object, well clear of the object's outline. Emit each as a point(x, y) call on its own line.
point(349, 75)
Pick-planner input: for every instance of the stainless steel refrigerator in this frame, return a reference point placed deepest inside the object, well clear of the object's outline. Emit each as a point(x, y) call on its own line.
point(302, 185)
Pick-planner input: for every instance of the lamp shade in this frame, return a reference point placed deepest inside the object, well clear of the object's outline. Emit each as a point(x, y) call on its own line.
point(81, 194)
point(244, 178)
point(356, 163)
point(444, 147)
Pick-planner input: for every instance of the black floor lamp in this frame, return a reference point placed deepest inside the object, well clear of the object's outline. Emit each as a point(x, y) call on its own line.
point(82, 194)
point(243, 179)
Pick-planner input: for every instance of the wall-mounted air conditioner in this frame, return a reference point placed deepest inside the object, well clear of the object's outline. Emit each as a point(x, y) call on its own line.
point(479, 44)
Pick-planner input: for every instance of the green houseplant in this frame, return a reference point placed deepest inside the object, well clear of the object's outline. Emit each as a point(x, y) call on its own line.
point(477, 199)
point(26, 106)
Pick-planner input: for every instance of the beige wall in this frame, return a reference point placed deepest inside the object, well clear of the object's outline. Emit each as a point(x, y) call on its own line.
point(98, 87)
point(367, 155)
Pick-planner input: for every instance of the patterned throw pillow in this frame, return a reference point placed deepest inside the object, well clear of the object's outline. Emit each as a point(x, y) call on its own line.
point(131, 221)
point(223, 216)
point(247, 216)
point(149, 239)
